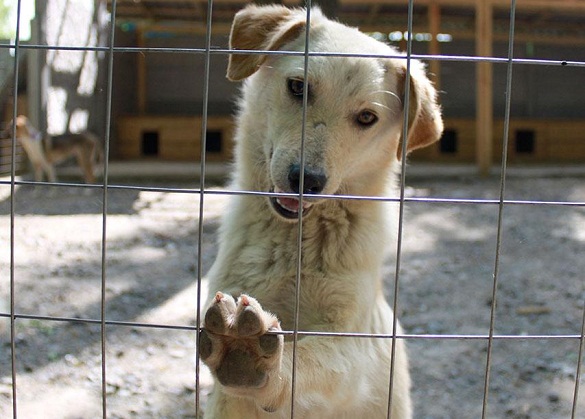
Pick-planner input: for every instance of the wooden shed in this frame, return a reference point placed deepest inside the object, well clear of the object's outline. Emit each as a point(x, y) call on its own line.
point(158, 118)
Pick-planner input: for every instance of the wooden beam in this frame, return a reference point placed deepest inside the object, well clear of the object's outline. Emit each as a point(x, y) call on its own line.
point(434, 47)
point(141, 74)
point(554, 5)
point(484, 83)
point(536, 5)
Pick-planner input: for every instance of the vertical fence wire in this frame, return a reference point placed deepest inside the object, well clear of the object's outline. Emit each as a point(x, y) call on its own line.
point(499, 230)
point(204, 114)
point(12, 213)
point(398, 263)
point(295, 336)
point(108, 124)
point(578, 372)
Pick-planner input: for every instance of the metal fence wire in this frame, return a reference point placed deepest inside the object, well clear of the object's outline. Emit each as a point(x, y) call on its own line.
point(12, 370)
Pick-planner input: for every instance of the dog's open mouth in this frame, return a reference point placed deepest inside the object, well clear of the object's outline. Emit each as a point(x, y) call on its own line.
point(289, 207)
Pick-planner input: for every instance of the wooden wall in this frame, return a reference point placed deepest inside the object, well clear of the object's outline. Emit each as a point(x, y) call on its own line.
point(173, 138)
point(6, 143)
point(530, 141)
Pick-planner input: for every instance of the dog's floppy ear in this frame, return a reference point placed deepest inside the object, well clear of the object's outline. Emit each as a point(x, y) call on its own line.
point(265, 28)
point(425, 124)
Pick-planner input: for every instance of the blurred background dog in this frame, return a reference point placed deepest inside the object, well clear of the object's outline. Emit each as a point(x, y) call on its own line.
point(45, 151)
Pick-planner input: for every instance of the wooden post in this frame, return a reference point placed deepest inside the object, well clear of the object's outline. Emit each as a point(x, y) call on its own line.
point(434, 47)
point(141, 76)
point(484, 83)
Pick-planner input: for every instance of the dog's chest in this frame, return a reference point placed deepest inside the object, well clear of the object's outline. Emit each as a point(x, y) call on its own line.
point(264, 264)
point(318, 297)
point(33, 149)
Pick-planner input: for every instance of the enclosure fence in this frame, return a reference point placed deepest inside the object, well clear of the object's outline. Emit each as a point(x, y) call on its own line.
point(106, 188)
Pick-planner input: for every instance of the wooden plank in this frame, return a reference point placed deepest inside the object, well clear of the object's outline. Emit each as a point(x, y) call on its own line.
point(434, 47)
point(224, 124)
point(6, 143)
point(180, 22)
point(569, 5)
point(141, 76)
point(484, 83)
point(556, 141)
point(179, 137)
point(465, 144)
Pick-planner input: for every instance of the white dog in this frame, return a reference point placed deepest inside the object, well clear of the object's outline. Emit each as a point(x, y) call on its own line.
point(352, 146)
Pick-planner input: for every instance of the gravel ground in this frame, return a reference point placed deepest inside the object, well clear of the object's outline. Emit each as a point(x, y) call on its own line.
point(151, 264)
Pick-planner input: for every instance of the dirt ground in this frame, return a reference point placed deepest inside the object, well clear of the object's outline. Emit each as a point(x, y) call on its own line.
point(151, 267)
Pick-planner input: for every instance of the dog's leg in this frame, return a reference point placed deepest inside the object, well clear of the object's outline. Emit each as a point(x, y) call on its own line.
point(44, 164)
point(235, 343)
point(41, 167)
point(50, 170)
point(85, 161)
point(36, 156)
point(254, 367)
point(221, 406)
point(38, 169)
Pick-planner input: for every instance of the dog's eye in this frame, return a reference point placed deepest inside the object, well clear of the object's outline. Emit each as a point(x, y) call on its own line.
point(296, 87)
point(366, 118)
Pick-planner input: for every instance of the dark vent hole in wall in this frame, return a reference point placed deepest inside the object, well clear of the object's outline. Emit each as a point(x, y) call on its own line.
point(150, 143)
point(448, 143)
point(213, 142)
point(525, 140)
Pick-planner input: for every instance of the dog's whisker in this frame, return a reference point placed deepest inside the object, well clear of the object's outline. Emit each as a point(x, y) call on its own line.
point(388, 92)
point(380, 105)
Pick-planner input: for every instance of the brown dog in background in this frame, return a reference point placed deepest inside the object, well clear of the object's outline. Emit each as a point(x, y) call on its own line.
point(45, 152)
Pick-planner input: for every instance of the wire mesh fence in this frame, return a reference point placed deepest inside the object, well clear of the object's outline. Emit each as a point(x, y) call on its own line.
point(91, 336)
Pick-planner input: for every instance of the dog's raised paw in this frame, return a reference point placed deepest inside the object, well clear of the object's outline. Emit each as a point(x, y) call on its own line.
point(238, 342)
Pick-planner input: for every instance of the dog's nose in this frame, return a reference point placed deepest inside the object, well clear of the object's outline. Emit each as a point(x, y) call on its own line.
point(313, 181)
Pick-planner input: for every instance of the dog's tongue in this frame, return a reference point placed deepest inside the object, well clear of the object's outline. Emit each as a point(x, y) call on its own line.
point(291, 204)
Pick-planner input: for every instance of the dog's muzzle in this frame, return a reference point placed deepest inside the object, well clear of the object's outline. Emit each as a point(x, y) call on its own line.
point(288, 207)
point(313, 184)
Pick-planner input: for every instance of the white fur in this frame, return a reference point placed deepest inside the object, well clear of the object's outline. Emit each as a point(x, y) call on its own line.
point(344, 241)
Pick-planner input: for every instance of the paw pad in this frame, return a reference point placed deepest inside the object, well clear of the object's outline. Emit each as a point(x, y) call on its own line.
point(237, 369)
point(237, 342)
